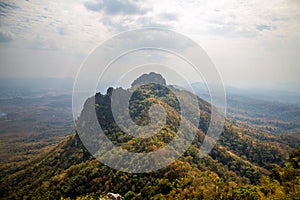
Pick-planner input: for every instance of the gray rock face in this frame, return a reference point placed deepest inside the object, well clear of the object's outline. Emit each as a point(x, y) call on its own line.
point(149, 78)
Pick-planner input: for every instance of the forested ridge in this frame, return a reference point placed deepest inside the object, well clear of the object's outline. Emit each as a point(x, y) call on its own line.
point(244, 164)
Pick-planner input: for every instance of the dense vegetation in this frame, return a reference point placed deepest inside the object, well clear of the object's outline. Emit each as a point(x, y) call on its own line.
point(245, 163)
point(69, 171)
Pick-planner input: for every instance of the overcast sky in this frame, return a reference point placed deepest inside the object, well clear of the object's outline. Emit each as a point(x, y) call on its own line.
point(252, 43)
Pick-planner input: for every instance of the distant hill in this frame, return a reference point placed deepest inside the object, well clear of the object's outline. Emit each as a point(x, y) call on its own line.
point(262, 109)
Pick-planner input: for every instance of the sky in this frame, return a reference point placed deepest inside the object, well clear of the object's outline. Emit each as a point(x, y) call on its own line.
point(252, 43)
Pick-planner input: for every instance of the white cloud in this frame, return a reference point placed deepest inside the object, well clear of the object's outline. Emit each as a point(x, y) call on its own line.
point(240, 36)
point(114, 7)
point(5, 37)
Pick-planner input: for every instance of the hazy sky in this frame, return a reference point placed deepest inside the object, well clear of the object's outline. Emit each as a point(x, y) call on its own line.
point(252, 43)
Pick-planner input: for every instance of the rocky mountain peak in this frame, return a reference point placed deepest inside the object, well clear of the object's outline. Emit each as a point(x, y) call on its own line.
point(152, 77)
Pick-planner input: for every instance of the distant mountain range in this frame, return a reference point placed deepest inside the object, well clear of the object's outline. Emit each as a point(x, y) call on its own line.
point(279, 94)
point(284, 93)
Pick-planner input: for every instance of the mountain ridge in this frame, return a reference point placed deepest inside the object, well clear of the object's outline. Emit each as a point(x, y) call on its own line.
point(239, 166)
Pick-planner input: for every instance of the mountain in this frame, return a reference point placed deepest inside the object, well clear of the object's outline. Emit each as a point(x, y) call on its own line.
point(245, 163)
point(266, 114)
point(152, 77)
